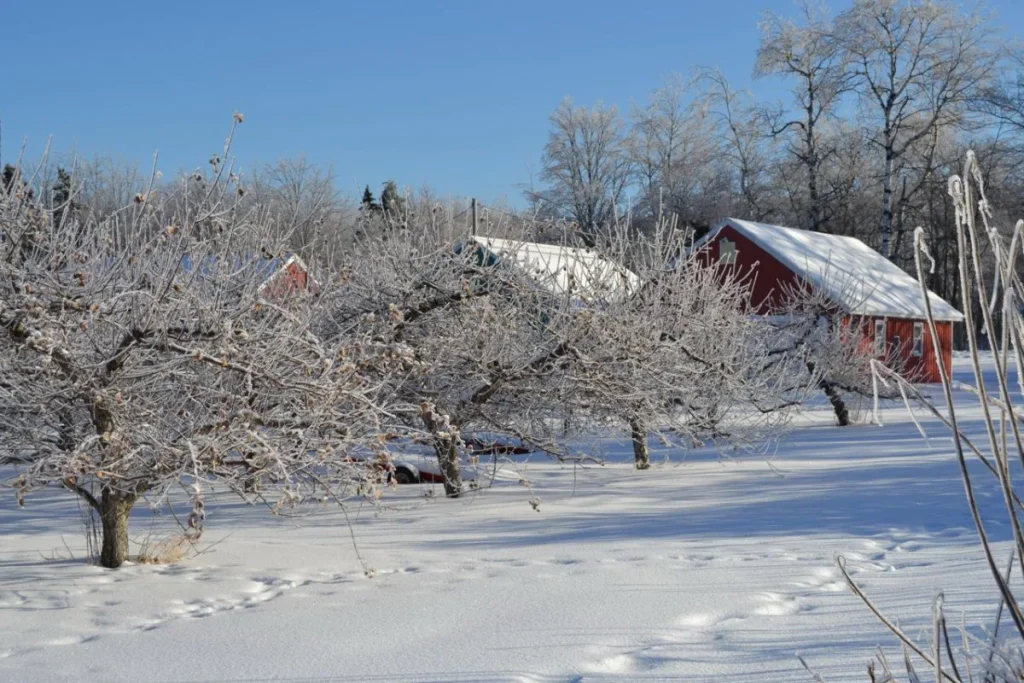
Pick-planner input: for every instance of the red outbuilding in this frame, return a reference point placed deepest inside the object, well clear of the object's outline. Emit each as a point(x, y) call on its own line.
point(287, 275)
point(865, 288)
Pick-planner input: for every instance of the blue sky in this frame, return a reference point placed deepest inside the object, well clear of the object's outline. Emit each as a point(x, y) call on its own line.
point(449, 93)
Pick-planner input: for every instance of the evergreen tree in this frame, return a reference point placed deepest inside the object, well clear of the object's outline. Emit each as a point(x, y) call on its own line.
point(11, 175)
point(391, 201)
point(8, 176)
point(61, 197)
point(61, 189)
point(369, 203)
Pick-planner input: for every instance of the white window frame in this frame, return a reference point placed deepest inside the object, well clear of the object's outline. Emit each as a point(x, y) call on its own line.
point(880, 333)
point(917, 349)
point(727, 252)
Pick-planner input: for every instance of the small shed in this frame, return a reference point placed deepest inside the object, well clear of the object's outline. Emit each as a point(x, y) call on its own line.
point(583, 274)
point(286, 275)
point(278, 275)
point(866, 288)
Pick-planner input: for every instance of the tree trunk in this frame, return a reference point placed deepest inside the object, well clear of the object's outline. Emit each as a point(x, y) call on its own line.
point(838, 405)
point(815, 201)
point(887, 179)
point(448, 460)
point(639, 435)
point(446, 448)
point(811, 154)
point(114, 511)
point(834, 397)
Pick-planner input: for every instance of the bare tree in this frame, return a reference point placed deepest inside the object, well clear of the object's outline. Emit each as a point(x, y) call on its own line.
point(809, 54)
point(483, 347)
point(1004, 101)
point(741, 126)
point(680, 357)
point(672, 145)
point(302, 201)
point(827, 350)
point(129, 367)
point(917, 65)
point(849, 179)
point(586, 166)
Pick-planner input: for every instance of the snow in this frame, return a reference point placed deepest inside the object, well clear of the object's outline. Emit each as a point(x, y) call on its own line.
point(855, 276)
point(710, 566)
point(565, 269)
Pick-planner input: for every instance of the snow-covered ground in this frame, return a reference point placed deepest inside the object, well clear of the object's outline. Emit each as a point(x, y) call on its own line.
point(704, 568)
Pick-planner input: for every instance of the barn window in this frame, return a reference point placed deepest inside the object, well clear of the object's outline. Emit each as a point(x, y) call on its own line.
point(727, 252)
point(918, 340)
point(880, 337)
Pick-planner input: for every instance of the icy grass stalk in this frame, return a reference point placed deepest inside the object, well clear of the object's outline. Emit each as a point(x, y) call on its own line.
point(1003, 662)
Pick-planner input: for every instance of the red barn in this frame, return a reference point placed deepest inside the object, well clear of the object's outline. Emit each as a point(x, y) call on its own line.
point(865, 287)
point(278, 276)
point(286, 275)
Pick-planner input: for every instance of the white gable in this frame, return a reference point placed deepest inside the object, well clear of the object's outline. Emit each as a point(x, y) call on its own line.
point(852, 274)
point(581, 273)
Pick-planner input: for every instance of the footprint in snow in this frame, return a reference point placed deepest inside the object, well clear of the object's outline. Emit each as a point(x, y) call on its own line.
point(776, 605)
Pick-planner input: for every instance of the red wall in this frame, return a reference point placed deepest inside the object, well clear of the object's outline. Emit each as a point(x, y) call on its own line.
point(292, 279)
point(899, 333)
point(770, 280)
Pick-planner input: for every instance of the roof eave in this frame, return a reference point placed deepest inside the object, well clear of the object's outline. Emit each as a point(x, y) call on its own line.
point(947, 318)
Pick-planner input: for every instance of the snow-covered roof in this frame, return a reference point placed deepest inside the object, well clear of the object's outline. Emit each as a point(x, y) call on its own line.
point(581, 273)
point(852, 274)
